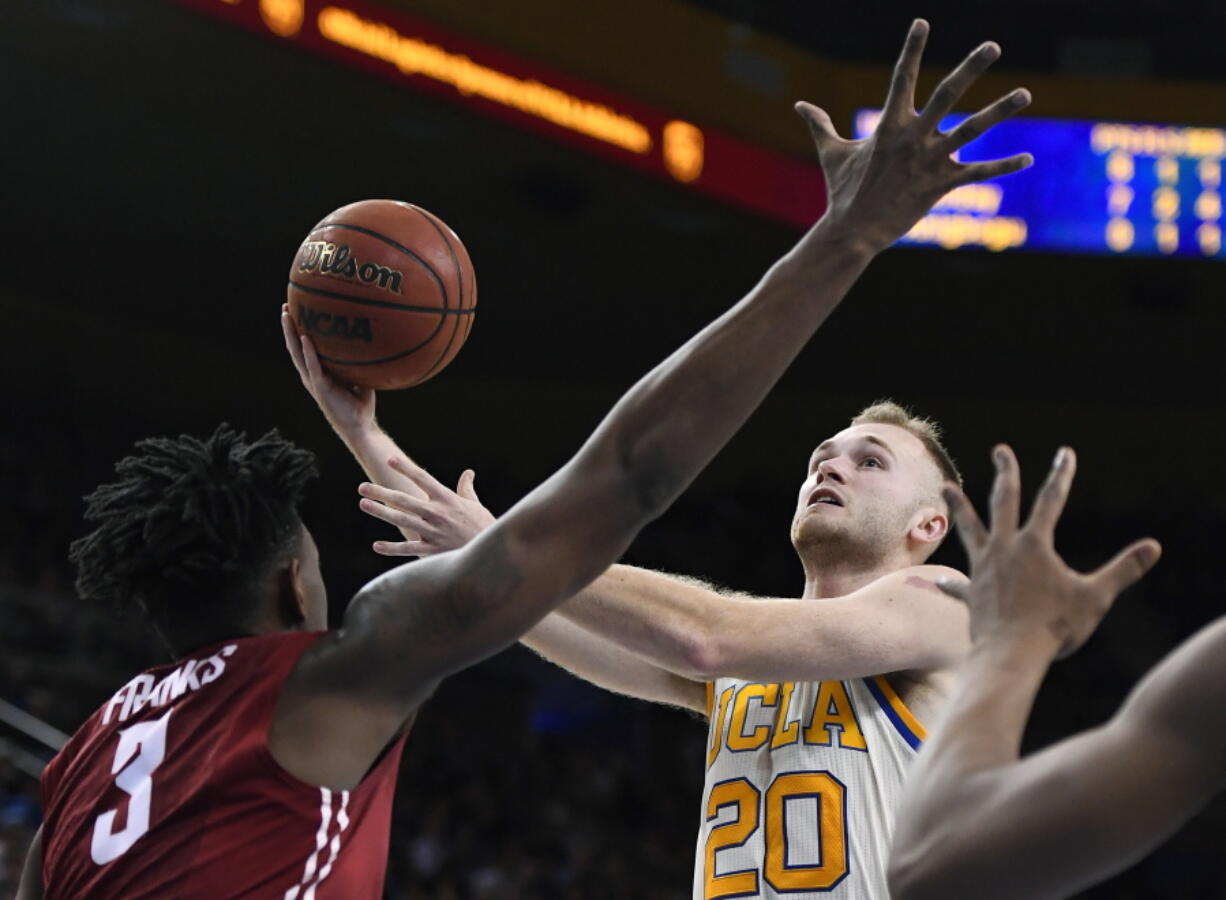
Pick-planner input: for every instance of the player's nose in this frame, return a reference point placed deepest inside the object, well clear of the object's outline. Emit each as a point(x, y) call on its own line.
point(828, 469)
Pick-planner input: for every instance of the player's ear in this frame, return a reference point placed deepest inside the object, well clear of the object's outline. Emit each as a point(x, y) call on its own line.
point(930, 525)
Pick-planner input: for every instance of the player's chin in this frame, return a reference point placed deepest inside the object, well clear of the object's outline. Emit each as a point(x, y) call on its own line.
point(815, 524)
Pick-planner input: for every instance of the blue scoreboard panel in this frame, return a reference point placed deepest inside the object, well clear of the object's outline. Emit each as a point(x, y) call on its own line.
point(1095, 187)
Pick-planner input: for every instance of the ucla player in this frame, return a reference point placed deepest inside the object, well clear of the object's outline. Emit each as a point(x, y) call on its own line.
point(977, 821)
point(816, 705)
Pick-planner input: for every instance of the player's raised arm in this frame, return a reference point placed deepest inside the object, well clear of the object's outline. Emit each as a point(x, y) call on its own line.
point(970, 824)
point(349, 410)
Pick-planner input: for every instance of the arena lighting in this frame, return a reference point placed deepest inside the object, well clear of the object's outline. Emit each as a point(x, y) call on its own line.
point(417, 57)
point(1096, 187)
point(424, 57)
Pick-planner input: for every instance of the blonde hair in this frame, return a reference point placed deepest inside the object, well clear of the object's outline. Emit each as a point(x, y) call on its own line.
point(887, 412)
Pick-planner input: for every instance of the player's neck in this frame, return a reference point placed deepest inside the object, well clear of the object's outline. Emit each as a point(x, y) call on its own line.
point(837, 579)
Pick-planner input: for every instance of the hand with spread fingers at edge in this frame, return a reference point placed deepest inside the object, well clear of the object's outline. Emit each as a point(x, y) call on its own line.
point(880, 186)
point(1020, 587)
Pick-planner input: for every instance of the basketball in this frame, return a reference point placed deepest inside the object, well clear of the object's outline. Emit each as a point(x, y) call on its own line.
point(386, 292)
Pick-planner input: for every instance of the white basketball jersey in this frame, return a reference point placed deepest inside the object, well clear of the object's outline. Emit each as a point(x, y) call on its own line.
point(802, 783)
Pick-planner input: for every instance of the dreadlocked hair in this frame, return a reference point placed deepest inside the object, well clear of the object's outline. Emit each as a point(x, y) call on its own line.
point(191, 530)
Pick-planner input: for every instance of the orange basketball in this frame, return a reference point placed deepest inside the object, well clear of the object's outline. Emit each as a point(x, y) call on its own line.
point(386, 292)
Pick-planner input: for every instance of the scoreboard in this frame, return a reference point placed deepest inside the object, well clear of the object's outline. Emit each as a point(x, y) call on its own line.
point(1095, 187)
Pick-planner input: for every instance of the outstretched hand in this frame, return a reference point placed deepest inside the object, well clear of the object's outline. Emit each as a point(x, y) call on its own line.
point(347, 408)
point(443, 520)
point(879, 187)
point(1019, 584)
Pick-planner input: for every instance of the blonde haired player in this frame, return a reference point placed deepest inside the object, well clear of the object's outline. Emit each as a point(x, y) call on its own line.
point(816, 704)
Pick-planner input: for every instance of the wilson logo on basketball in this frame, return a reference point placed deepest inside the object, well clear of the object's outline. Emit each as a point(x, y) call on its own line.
point(313, 321)
point(328, 258)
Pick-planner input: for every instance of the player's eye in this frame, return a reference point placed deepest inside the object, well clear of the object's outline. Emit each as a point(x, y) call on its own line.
point(871, 460)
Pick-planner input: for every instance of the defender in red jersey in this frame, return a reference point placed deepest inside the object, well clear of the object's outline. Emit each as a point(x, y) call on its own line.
point(182, 738)
point(259, 765)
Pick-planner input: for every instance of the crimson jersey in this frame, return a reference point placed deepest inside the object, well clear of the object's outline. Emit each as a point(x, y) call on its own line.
point(169, 791)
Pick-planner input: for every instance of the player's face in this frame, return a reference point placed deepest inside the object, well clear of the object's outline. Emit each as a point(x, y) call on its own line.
point(864, 487)
point(310, 585)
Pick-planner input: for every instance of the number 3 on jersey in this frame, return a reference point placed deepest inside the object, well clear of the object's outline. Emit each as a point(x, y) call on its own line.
point(831, 828)
point(137, 780)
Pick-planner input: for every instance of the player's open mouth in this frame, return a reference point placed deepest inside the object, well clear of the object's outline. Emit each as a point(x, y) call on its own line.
point(825, 496)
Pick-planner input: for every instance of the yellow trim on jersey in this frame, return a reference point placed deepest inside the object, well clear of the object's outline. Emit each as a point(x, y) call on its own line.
point(901, 708)
point(717, 726)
